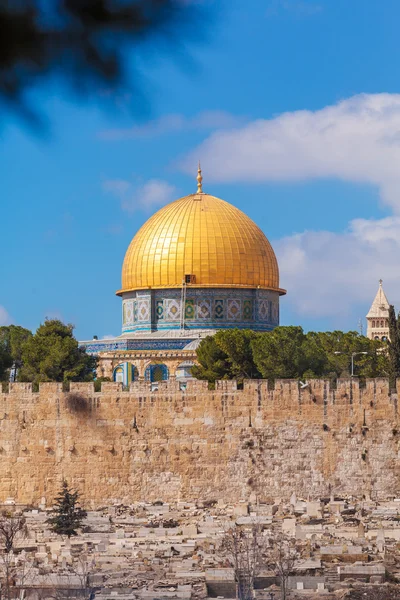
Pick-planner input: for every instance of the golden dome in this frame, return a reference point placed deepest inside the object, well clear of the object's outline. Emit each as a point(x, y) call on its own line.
point(205, 237)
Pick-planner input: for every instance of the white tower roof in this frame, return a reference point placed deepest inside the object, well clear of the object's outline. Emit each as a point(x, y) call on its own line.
point(380, 305)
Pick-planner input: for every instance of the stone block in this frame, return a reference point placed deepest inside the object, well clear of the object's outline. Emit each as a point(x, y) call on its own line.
point(314, 510)
point(20, 388)
point(189, 530)
point(241, 509)
point(289, 527)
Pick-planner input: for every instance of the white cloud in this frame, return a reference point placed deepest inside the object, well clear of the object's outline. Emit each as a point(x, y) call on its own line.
point(327, 273)
point(356, 140)
point(116, 186)
point(173, 123)
point(147, 196)
point(5, 318)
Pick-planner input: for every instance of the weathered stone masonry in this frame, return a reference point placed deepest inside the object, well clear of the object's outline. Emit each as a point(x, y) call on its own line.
point(173, 445)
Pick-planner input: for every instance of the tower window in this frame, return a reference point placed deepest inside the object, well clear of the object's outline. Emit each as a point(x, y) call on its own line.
point(190, 278)
point(373, 323)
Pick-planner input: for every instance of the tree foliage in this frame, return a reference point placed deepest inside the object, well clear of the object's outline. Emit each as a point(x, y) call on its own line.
point(12, 340)
point(236, 344)
point(67, 515)
point(394, 345)
point(53, 354)
point(5, 363)
point(289, 353)
point(281, 353)
point(84, 41)
point(226, 355)
point(213, 361)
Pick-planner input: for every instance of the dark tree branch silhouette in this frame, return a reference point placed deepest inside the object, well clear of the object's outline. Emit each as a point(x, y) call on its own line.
point(243, 547)
point(12, 529)
point(84, 41)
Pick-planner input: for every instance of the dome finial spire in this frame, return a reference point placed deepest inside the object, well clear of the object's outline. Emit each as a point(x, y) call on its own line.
point(199, 180)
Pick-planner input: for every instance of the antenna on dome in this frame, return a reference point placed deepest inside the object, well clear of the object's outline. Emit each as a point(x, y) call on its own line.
point(199, 180)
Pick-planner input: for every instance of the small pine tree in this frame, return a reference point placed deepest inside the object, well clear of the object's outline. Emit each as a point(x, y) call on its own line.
point(67, 516)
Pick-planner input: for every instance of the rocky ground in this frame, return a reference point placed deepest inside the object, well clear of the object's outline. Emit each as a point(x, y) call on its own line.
point(347, 548)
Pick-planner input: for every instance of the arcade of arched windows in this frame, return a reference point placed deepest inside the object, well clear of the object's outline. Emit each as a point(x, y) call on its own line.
point(126, 369)
point(379, 323)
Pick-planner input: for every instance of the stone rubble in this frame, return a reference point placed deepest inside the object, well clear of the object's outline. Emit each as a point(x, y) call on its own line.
point(159, 550)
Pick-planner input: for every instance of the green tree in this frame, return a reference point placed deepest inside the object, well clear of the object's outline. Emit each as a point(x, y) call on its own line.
point(394, 346)
point(289, 353)
point(226, 355)
point(12, 340)
point(5, 363)
point(236, 344)
point(338, 346)
point(280, 354)
point(213, 362)
point(67, 515)
point(53, 354)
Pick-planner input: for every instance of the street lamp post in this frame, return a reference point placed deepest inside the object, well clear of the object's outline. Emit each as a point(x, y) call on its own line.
point(353, 354)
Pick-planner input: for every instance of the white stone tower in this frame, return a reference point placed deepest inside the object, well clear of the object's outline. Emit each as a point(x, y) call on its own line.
point(378, 316)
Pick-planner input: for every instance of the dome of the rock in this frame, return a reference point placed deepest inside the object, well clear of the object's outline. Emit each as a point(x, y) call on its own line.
point(204, 237)
point(199, 264)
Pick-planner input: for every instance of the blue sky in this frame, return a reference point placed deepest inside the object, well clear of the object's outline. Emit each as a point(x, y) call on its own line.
point(293, 108)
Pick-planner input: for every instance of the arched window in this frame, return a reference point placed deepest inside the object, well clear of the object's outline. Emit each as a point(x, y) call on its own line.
point(373, 323)
point(118, 375)
point(376, 337)
point(156, 373)
point(382, 325)
point(125, 373)
point(184, 370)
point(384, 338)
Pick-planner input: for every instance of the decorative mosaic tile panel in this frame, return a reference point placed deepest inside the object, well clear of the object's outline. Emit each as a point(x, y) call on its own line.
point(159, 309)
point(128, 312)
point(204, 309)
point(135, 313)
point(263, 310)
point(234, 309)
point(247, 309)
point(143, 309)
point(275, 312)
point(124, 313)
point(173, 310)
point(219, 309)
point(189, 309)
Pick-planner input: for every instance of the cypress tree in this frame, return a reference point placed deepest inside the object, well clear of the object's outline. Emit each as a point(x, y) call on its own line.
point(394, 346)
point(67, 515)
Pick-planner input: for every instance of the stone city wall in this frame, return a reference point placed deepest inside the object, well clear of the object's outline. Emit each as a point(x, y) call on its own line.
point(169, 444)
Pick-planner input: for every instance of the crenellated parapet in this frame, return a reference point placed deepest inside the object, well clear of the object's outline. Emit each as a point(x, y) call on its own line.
point(168, 440)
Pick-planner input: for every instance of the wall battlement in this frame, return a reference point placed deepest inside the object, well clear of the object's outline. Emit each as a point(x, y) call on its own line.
point(173, 444)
